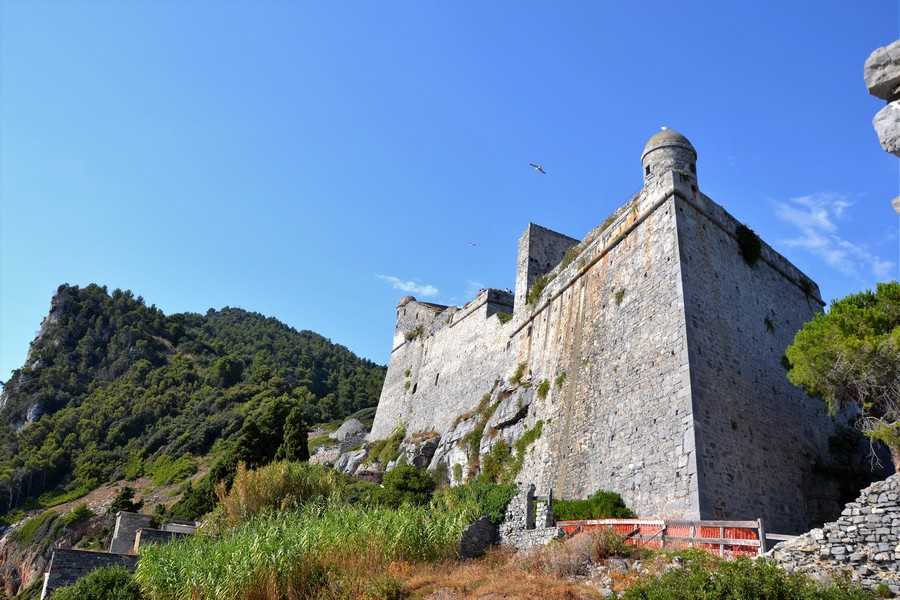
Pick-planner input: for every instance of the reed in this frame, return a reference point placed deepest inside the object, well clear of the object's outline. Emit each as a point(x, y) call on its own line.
point(319, 551)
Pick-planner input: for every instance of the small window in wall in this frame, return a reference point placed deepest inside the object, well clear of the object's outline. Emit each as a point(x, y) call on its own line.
point(415, 385)
point(693, 168)
point(436, 378)
point(529, 331)
point(647, 170)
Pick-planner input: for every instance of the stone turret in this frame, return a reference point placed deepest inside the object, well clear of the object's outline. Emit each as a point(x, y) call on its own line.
point(668, 151)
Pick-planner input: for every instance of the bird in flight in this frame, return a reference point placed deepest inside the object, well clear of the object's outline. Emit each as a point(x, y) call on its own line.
point(472, 244)
point(538, 168)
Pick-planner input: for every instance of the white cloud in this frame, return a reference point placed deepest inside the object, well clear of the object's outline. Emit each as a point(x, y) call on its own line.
point(410, 286)
point(816, 218)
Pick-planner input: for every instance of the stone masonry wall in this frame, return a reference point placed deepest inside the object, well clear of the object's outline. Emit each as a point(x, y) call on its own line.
point(651, 362)
point(864, 541)
point(458, 357)
point(739, 320)
point(68, 566)
point(612, 323)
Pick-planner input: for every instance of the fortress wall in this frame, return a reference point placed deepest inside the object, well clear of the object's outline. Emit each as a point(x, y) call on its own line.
point(540, 250)
point(757, 433)
point(458, 357)
point(621, 420)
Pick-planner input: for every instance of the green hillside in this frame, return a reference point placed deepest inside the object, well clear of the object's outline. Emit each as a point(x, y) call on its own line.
point(116, 389)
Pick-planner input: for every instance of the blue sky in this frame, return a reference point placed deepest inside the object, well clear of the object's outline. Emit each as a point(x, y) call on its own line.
point(317, 161)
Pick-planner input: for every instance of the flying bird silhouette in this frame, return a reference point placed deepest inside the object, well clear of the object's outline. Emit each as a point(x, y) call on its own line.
point(538, 168)
point(472, 244)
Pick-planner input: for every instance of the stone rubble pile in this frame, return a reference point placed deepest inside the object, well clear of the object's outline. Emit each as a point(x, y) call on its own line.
point(864, 542)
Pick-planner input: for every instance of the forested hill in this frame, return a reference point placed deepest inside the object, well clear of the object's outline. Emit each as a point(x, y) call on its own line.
point(113, 387)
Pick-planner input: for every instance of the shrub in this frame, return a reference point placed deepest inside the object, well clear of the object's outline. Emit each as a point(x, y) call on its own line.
point(388, 449)
point(620, 295)
point(39, 529)
point(488, 499)
point(405, 484)
point(165, 470)
point(504, 317)
point(124, 500)
point(711, 578)
point(110, 583)
point(749, 243)
point(602, 505)
point(77, 515)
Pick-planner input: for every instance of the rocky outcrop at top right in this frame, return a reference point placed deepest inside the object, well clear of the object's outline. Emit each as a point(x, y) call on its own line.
point(864, 542)
point(882, 75)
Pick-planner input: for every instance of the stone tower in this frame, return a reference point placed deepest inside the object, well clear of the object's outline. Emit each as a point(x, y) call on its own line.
point(644, 359)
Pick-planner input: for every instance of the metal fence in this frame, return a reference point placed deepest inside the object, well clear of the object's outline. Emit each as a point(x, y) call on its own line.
point(723, 538)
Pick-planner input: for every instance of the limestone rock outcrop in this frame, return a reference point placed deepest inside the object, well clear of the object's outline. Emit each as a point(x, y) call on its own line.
point(887, 126)
point(882, 72)
point(882, 75)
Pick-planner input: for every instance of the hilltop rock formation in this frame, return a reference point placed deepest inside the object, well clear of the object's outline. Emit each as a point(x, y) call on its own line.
point(882, 75)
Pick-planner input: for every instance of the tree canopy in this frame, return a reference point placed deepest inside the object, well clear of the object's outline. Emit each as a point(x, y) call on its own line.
point(851, 356)
point(113, 388)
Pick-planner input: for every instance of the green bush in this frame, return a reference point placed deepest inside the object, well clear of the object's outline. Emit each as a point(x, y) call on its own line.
point(166, 470)
point(387, 450)
point(124, 500)
point(77, 515)
point(489, 499)
point(602, 505)
point(39, 529)
point(709, 578)
point(405, 484)
point(110, 583)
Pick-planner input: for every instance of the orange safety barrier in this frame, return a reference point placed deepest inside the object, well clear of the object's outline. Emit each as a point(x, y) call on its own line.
point(723, 538)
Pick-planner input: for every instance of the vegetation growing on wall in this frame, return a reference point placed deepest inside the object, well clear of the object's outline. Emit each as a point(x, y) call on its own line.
point(388, 449)
point(519, 373)
point(543, 389)
point(749, 243)
point(504, 317)
point(619, 295)
point(560, 380)
point(537, 288)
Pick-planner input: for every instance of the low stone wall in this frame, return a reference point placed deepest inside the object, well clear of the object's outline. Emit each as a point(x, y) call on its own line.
point(68, 566)
point(526, 523)
point(864, 542)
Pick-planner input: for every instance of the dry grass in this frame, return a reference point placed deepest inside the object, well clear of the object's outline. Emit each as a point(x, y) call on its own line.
point(500, 574)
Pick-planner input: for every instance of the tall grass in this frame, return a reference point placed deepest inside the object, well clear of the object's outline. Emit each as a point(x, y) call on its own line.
point(319, 551)
point(277, 486)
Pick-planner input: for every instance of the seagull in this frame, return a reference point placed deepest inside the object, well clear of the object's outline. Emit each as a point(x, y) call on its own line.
point(472, 244)
point(538, 168)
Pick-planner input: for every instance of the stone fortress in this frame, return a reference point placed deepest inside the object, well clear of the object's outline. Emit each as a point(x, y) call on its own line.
point(645, 359)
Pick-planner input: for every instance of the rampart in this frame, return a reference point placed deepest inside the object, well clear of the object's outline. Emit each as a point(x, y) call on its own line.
point(648, 360)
